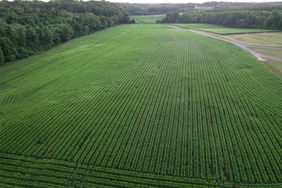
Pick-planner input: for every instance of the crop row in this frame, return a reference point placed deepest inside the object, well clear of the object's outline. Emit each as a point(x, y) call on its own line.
point(23, 171)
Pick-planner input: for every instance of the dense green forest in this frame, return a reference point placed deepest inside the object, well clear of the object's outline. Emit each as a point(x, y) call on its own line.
point(152, 9)
point(27, 27)
point(266, 19)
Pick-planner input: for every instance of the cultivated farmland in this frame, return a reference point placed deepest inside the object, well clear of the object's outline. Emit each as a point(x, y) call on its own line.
point(221, 30)
point(140, 106)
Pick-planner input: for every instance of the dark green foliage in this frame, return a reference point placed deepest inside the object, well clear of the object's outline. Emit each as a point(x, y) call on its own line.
point(8, 48)
point(153, 9)
point(274, 21)
point(172, 17)
point(27, 27)
point(266, 19)
point(2, 58)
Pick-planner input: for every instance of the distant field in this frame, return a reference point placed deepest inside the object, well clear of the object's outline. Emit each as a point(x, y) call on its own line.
point(276, 66)
point(268, 44)
point(220, 29)
point(140, 105)
point(148, 18)
point(273, 38)
point(271, 52)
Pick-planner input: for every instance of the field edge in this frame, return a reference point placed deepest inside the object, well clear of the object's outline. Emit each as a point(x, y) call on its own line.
point(21, 170)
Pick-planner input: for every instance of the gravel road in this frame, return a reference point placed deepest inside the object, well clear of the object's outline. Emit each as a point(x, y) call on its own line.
point(243, 45)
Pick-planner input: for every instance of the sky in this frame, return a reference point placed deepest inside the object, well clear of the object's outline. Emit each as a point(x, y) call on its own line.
point(188, 1)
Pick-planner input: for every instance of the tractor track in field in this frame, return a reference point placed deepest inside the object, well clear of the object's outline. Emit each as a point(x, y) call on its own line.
point(245, 46)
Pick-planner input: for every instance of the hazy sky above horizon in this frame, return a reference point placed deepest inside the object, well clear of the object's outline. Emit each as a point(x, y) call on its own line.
point(188, 1)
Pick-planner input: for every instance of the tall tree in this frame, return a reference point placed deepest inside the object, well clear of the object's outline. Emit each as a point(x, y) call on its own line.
point(2, 57)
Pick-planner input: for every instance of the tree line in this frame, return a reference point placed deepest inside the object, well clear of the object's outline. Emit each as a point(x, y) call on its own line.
point(264, 19)
point(151, 9)
point(27, 27)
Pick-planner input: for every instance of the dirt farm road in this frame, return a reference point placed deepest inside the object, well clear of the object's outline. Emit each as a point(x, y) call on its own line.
point(246, 46)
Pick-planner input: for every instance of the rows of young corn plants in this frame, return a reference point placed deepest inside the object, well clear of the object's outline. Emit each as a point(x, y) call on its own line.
point(164, 108)
point(24, 171)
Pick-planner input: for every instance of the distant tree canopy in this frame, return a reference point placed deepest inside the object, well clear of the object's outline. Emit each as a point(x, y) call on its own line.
point(151, 9)
point(1, 57)
point(27, 27)
point(266, 19)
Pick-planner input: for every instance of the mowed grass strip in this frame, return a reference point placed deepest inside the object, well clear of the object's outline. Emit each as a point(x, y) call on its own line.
point(146, 99)
point(222, 30)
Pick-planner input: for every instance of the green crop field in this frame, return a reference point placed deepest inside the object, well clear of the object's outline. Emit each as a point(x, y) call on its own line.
point(140, 106)
point(141, 19)
point(222, 30)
